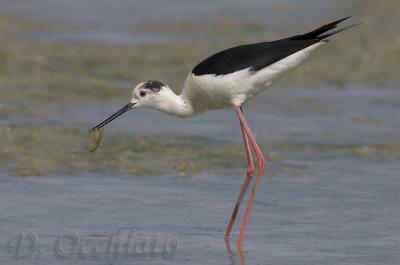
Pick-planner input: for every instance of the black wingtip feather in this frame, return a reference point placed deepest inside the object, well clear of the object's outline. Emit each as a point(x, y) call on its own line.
point(324, 36)
point(257, 56)
point(316, 34)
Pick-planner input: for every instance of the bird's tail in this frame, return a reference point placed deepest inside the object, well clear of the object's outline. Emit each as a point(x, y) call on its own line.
point(323, 32)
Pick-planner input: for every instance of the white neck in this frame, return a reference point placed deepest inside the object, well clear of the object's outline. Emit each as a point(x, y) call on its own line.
point(172, 104)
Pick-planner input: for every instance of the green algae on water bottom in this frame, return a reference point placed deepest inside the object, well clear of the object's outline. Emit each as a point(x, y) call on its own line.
point(49, 149)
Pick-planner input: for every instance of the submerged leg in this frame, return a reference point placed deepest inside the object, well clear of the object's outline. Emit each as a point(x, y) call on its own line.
point(261, 166)
point(249, 175)
point(242, 258)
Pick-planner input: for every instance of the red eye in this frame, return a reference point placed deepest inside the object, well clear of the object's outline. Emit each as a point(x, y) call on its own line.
point(142, 93)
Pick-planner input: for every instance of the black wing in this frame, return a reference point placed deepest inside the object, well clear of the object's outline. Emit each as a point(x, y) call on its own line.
point(259, 55)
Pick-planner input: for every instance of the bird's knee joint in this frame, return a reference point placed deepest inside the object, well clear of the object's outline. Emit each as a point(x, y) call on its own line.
point(250, 171)
point(261, 163)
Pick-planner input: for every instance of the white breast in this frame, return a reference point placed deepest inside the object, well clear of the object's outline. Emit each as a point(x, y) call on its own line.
point(215, 92)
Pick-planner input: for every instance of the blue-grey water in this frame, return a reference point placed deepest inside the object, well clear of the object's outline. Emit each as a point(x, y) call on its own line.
point(345, 212)
point(342, 209)
point(113, 22)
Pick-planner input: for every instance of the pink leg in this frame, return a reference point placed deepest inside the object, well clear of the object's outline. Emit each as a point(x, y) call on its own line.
point(250, 173)
point(242, 258)
point(261, 166)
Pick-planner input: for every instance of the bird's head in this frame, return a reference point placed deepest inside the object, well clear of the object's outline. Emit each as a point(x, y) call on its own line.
point(152, 94)
point(149, 94)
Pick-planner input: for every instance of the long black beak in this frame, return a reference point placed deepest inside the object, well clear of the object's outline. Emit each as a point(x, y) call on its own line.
point(112, 117)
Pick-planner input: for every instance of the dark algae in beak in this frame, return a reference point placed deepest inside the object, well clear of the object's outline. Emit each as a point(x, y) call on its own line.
point(95, 139)
point(97, 131)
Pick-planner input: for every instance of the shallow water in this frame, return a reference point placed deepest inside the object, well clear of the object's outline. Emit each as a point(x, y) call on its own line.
point(114, 22)
point(344, 212)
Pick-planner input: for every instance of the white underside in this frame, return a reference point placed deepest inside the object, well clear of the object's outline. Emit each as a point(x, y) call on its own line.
point(207, 92)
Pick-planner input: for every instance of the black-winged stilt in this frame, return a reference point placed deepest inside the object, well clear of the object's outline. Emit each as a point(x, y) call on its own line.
point(228, 79)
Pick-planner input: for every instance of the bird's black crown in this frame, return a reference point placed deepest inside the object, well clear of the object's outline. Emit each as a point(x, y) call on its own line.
point(154, 86)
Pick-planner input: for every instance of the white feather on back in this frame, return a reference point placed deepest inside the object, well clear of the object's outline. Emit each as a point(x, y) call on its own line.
point(265, 76)
point(211, 91)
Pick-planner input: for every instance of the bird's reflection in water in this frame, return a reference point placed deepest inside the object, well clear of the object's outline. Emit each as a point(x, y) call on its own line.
point(233, 256)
